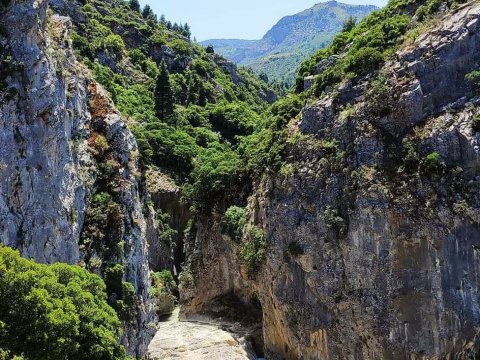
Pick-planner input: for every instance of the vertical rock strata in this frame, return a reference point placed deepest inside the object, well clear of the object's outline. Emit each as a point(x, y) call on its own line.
point(50, 114)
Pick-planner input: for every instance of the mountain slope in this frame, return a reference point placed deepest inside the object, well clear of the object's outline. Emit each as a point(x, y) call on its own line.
point(291, 40)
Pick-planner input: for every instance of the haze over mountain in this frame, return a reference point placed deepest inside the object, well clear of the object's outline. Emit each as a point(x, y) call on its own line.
point(293, 39)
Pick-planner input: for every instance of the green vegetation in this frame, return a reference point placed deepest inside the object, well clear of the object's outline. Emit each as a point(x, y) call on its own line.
point(253, 251)
point(278, 55)
point(162, 290)
point(194, 116)
point(367, 45)
point(233, 222)
point(335, 222)
point(473, 78)
point(431, 164)
point(163, 94)
point(54, 312)
point(121, 294)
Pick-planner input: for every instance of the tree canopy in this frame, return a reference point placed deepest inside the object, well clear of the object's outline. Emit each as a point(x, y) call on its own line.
point(54, 312)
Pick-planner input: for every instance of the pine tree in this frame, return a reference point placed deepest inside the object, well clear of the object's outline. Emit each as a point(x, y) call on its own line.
point(163, 94)
point(135, 5)
point(147, 12)
point(186, 31)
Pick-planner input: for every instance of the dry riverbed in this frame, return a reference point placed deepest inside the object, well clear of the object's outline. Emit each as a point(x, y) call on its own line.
point(196, 341)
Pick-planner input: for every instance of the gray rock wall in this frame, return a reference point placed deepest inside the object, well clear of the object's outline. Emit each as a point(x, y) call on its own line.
point(48, 103)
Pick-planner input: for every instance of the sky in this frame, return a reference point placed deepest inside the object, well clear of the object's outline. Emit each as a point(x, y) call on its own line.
point(234, 19)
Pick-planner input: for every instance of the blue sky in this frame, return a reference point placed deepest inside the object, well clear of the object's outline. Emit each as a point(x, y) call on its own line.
point(241, 19)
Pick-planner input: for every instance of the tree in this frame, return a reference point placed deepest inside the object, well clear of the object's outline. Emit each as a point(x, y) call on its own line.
point(349, 24)
point(186, 31)
point(54, 312)
point(210, 49)
point(163, 94)
point(147, 12)
point(135, 5)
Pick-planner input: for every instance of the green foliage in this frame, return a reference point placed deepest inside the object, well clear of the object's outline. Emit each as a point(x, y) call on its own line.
point(253, 251)
point(365, 45)
point(473, 78)
point(192, 119)
point(216, 172)
point(364, 60)
point(349, 24)
point(334, 221)
point(431, 164)
point(54, 312)
point(163, 286)
point(134, 5)
point(232, 120)
point(163, 94)
point(233, 222)
point(104, 220)
point(120, 294)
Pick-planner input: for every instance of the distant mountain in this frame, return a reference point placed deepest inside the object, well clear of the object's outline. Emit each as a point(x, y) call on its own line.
point(294, 38)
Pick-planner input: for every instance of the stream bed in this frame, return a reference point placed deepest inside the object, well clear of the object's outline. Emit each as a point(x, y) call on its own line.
point(188, 340)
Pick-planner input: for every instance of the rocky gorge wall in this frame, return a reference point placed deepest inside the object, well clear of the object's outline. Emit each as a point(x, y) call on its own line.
point(372, 227)
point(58, 131)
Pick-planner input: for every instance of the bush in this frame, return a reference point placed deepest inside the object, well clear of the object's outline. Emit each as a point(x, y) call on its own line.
point(55, 312)
point(364, 60)
point(114, 43)
point(163, 286)
point(473, 78)
point(120, 294)
point(253, 251)
point(233, 222)
point(432, 163)
point(334, 221)
point(216, 172)
point(233, 120)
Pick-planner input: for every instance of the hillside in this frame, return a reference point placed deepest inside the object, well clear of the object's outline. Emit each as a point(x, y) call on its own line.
point(293, 39)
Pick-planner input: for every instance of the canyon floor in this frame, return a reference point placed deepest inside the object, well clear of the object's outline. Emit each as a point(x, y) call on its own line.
point(186, 340)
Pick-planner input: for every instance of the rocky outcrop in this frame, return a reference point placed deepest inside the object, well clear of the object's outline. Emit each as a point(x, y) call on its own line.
point(51, 114)
point(373, 233)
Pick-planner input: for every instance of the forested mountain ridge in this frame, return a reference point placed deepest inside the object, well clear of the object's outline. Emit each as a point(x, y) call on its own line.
point(293, 39)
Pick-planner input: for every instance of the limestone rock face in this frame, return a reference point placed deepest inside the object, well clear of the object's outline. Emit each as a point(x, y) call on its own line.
point(50, 110)
point(382, 210)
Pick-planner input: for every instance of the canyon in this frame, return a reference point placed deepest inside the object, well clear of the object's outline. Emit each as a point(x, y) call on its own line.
point(338, 222)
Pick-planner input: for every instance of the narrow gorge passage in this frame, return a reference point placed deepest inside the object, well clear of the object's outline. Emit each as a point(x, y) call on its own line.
point(196, 340)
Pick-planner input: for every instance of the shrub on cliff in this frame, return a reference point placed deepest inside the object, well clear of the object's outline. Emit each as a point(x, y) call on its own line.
point(163, 286)
point(233, 222)
point(253, 251)
point(54, 312)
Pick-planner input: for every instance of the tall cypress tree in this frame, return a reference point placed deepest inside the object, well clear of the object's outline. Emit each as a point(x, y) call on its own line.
point(135, 5)
point(163, 94)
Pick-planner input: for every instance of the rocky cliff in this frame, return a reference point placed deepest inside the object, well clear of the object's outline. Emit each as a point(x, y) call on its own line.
point(61, 141)
point(372, 225)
